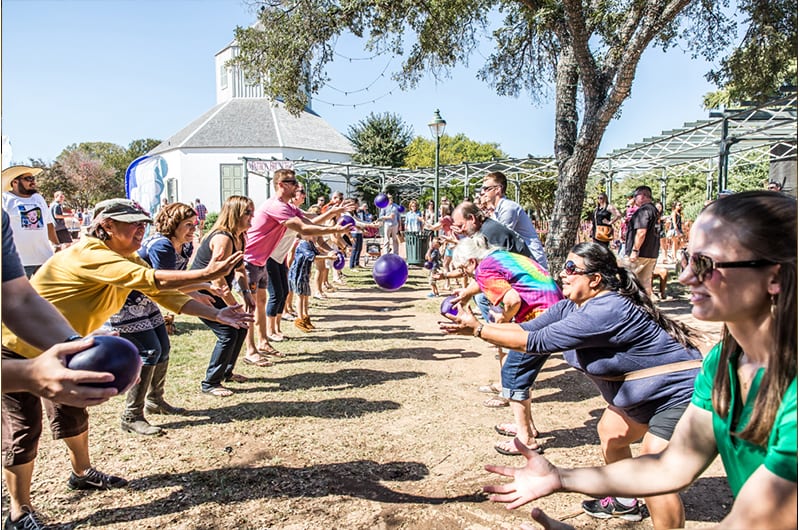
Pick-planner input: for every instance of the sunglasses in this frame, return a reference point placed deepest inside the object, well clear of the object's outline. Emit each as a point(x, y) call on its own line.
point(487, 188)
point(571, 269)
point(28, 178)
point(289, 181)
point(248, 212)
point(703, 266)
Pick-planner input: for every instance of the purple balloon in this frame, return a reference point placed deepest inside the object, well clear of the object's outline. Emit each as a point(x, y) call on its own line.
point(401, 208)
point(338, 263)
point(347, 220)
point(390, 272)
point(447, 306)
point(110, 354)
point(381, 200)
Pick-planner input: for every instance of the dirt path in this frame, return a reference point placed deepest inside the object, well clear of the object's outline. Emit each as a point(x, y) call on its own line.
point(373, 421)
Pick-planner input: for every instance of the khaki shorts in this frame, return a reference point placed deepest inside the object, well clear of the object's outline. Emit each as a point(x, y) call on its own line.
point(643, 269)
point(22, 423)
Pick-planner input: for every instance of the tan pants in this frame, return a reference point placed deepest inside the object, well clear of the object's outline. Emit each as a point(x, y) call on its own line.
point(643, 269)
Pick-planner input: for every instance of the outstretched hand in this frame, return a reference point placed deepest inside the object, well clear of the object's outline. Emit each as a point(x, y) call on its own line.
point(538, 478)
point(216, 269)
point(234, 316)
point(462, 323)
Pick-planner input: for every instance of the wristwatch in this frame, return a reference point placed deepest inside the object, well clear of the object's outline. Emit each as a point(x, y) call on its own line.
point(74, 337)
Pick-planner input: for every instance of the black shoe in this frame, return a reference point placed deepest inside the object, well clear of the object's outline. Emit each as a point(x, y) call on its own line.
point(609, 507)
point(29, 521)
point(95, 480)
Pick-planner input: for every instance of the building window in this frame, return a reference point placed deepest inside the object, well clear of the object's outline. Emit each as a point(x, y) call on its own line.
point(231, 178)
point(223, 77)
point(172, 190)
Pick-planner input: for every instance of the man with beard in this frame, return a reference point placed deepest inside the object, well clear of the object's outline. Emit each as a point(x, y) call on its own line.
point(31, 220)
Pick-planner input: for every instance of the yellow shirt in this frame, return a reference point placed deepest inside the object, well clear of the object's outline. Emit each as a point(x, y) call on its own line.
point(88, 282)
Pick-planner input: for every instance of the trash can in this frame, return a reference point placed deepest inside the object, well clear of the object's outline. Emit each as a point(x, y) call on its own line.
point(416, 247)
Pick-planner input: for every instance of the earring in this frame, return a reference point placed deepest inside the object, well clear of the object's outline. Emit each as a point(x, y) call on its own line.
point(773, 306)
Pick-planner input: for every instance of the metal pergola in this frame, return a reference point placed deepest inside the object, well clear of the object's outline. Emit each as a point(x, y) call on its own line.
point(727, 139)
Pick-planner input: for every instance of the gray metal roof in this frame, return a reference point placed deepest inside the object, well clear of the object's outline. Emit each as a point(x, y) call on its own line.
point(257, 123)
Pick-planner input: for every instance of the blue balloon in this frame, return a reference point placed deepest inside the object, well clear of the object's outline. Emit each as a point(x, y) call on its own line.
point(401, 208)
point(390, 272)
point(381, 200)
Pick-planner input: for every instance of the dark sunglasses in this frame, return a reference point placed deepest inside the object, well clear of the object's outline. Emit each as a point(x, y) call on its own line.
point(571, 269)
point(487, 188)
point(28, 178)
point(248, 212)
point(702, 265)
point(289, 181)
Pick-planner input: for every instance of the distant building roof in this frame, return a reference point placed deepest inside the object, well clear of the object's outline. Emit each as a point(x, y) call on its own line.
point(257, 123)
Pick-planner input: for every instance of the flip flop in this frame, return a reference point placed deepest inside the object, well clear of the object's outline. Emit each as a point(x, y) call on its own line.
point(510, 429)
point(261, 362)
point(506, 429)
point(496, 402)
point(219, 391)
point(508, 448)
point(488, 389)
point(237, 378)
point(269, 350)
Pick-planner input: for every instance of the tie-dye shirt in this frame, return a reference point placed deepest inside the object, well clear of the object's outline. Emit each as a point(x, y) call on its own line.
point(502, 270)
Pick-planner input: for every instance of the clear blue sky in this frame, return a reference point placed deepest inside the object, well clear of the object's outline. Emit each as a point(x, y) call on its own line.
point(119, 70)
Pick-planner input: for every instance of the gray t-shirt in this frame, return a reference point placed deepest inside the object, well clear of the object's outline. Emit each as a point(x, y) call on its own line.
point(12, 266)
point(610, 336)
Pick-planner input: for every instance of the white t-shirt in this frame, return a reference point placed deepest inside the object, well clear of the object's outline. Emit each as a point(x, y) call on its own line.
point(29, 219)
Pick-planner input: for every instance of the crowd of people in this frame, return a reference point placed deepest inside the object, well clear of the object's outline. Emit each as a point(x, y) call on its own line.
point(259, 266)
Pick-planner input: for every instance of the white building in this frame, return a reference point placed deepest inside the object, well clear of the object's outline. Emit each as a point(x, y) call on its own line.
point(204, 159)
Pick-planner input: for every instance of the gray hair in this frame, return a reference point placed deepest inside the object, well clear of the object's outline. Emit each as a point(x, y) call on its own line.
point(474, 247)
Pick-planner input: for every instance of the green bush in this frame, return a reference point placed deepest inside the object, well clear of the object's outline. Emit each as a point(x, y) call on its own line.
point(211, 218)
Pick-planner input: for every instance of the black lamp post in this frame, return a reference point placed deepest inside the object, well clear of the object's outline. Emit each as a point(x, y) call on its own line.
point(436, 126)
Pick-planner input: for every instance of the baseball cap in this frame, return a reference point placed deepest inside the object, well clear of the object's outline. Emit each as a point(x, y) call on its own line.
point(124, 210)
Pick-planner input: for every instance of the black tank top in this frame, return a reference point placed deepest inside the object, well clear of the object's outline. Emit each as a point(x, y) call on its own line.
point(203, 258)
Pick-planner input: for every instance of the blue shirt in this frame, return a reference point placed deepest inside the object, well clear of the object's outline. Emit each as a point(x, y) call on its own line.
point(12, 266)
point(512, 215)
point(610, 336)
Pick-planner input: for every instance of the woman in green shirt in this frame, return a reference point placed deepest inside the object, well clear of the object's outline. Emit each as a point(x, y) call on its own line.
point(741, 269)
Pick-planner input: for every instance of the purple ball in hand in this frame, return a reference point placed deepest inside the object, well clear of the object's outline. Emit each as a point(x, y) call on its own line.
point(338, 263)
point(347, 220)
point(110, 354)
point(447, 307)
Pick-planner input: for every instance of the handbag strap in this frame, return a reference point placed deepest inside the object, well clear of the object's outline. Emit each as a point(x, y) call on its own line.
point(679, 366)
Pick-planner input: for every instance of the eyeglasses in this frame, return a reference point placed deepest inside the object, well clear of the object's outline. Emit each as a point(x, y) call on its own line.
point(703, 266)
point(28, 178)
point(571, 269)
point(484, 189)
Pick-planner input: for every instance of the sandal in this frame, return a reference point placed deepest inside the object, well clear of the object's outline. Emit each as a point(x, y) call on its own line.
point(489, 389)
point(496, 402)
point(269, 350)
point(510, 429)
point(219, 391)
point(260, 362)
point(508, 448)
point(237, 378)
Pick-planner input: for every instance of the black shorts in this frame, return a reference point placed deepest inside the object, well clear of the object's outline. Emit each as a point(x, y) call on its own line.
point(63, 236)
point(663, 423)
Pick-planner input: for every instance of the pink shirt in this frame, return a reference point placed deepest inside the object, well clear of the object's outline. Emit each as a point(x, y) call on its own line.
point(267, 229)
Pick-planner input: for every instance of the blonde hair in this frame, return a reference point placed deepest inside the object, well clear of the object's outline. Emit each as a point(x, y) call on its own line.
point(233, 209)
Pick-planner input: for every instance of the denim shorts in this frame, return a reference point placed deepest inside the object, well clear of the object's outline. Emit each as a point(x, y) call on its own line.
point(519, 373)
point(256, 276)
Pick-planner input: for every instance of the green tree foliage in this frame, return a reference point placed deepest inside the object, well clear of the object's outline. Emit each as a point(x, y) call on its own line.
point(316, 188)
point(765, 60)
point(453, 150)
point(380, 140)
point(583, 52)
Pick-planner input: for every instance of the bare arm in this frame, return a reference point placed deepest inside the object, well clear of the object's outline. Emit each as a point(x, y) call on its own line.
point(51, 234)
point(31, 317)
point(307, 228)
point(171, 279)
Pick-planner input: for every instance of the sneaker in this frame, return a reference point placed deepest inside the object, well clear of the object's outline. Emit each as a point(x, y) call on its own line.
point(609, 507)
point(95, 480)
point(29, 521)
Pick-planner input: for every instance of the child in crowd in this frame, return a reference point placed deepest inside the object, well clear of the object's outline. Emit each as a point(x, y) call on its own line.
point(300, 280)
point(434, 257)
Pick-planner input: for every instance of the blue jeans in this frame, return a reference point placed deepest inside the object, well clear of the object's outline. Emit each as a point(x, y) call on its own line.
point(277, 287)
point(153, 344)
point(226, 351)
point(518, 374)
point(355, 255)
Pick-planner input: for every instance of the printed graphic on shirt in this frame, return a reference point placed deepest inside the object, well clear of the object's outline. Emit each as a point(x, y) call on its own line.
point(31, 219)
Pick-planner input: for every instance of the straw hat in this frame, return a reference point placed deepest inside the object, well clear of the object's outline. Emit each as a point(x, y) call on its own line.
point(10, 173)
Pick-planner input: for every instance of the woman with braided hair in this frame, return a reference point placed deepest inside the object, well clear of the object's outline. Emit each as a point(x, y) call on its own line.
point(643, 363)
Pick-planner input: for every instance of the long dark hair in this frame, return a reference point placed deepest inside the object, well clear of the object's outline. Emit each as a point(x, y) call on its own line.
point(599, 259)
point(765, 223)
